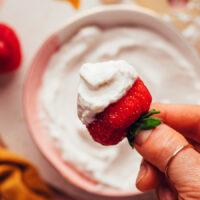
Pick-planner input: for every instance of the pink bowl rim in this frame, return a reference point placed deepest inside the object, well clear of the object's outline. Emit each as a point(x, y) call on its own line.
point(71, 20)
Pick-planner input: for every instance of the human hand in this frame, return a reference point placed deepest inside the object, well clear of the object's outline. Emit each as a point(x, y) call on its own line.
point(158, 145)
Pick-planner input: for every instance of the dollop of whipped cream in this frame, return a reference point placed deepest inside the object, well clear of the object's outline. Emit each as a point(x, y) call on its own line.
point(102, 84)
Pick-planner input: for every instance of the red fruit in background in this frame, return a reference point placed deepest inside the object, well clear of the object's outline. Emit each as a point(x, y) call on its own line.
point(110, 126)
point(10, 51)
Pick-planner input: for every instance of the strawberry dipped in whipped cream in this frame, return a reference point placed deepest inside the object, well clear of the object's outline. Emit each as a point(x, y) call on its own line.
point(113, 102)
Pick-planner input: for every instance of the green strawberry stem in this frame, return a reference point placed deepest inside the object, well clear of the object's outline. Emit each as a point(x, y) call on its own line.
point(145, 122)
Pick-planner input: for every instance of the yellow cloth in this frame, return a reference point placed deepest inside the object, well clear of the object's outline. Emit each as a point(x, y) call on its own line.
point(19, 180)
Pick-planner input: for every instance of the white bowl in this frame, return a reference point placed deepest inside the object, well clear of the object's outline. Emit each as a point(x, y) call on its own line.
point(105, 17)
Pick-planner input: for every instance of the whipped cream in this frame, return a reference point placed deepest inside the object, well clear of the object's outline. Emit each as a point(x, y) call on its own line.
point(101, 84)
point(171, 76)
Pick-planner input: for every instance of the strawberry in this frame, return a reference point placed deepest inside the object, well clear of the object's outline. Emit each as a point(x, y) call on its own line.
point(10, 52)
point(124, 118)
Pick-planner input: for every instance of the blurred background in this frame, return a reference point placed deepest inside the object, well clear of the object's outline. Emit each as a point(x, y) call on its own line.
point(34, 21)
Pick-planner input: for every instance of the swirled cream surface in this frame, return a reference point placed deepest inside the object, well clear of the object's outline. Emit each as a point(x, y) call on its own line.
point(168, 73)
point(102, 84)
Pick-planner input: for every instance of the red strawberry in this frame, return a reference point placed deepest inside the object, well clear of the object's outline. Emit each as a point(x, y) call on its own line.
point(117, 120)
point(10, 52)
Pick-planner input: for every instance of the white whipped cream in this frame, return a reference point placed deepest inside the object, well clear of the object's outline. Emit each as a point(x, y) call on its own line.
point(168, 73)
point(101, 84)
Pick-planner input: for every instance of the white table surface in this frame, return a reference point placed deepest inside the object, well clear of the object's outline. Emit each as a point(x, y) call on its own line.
point(34, 21)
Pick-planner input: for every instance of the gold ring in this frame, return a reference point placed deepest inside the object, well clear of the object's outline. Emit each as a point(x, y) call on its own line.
point(174, 155)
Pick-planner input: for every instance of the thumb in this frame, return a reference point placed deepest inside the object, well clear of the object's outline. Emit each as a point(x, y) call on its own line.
point(158, 145)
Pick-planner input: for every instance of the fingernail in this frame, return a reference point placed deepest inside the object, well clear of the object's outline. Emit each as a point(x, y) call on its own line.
point(165, 193)
point(142, 137)
point(142, 173)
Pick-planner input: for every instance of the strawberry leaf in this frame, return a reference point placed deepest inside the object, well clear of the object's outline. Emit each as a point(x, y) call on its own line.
point(150, 113)
point(148, 123)
point(145, 122)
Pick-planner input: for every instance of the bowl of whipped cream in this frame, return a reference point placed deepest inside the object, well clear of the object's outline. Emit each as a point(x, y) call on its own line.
point(165, 61)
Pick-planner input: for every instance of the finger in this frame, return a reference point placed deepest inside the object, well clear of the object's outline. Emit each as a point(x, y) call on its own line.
point(158, 145)
point(183, 118)
point(148, 177)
